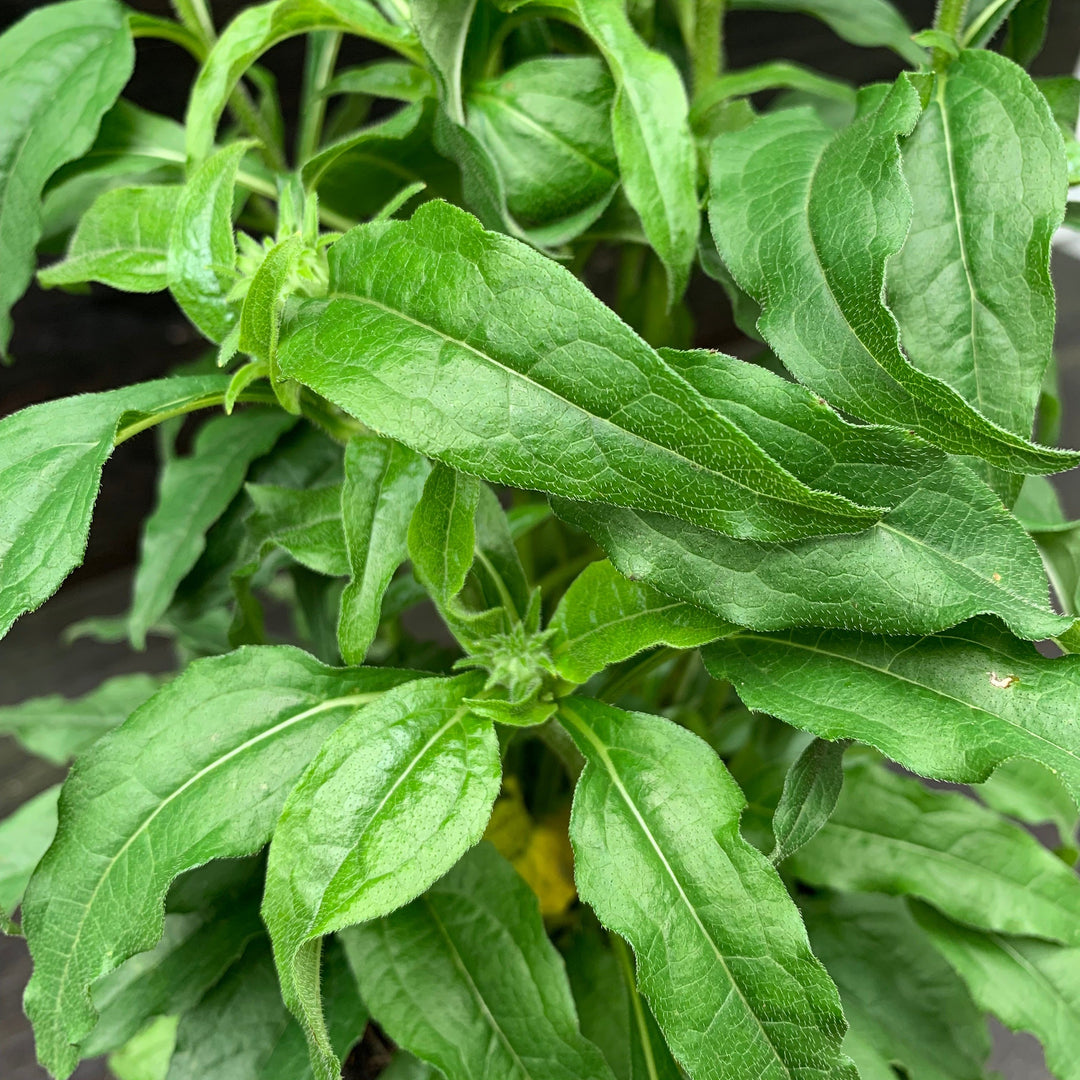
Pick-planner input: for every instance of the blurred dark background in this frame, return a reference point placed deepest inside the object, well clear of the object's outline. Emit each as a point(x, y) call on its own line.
point(65, 344)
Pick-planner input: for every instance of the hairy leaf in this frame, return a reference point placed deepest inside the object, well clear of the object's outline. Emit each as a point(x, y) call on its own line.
point(604, 618)
point(466, 979)
point(50, 460)
point(122, 241)
point(892, 835)
point(436, 302)
point(971, 286)
point(225, 741)
point(811, 788)
point(953, 706)
point(259, 28)
point(242, 1030)
point(61, 68)
point(900, 998)
point(202, 249)
point(805, 219)
point(57, 728)
point(193, 492)
point(390, 803)
point(442, 532)
point(1029, 985)
point(24, 838)
point(722, 955)
point(194, 953)
point(383, 483)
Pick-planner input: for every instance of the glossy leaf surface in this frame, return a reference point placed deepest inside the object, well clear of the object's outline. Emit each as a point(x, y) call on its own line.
point(604, 618)
point(776, 192)
point(383, 483)
point(971, 286)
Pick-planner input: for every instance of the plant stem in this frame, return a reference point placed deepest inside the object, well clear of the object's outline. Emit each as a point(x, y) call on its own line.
point(322, 51)
point(707, 50)
point(195, 17)
point(949, 20)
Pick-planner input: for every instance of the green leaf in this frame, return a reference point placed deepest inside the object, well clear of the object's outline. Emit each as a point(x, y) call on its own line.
point(983, 19)
point(722, 955)
point(466, 979)
point(202, 249)
point(57, 728)
point(259, 28)
point(405, 297)
point(603, 618)
point(819, 273)
point(948, 530)
point(612, 1013)
point(1026, 32)
point(953, 706)
point(1029, 985)
point(241, 1029)
point(442, 532)
point(61, 67)
point(24, 838)
point(971, 286)
point(862, 22)
point(193, 492)
point(52, 455)
point(1030, 792)
point(194, 953)
point(891, 835)
point(121, 241)
point(653, 143)
point(396, 79)
point(383, 483)
point(390, 803)
point(546, 124)
point(811, 788)
point(147, 1055)
point(900, 998)
point(225, 741)
point(1063, 96)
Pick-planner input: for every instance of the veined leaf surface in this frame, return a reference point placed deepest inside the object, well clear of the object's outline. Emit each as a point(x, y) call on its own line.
point(51, 457)
point(890, 834)
point(722, 955)
point(971, 286)
point(228, 737)
point(61, 68)
point(466, 978)
point(394, 798)
point(953, 706)
point(806, 219)
point(476, 350)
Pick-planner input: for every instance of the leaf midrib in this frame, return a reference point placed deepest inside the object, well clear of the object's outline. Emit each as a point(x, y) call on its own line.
point(616, 779)
point(842, 509)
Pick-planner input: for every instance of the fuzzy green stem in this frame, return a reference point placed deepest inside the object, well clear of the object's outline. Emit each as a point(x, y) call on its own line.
point(195, 15)
point(949, 20)
point(322, 51)
point(707, 48)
